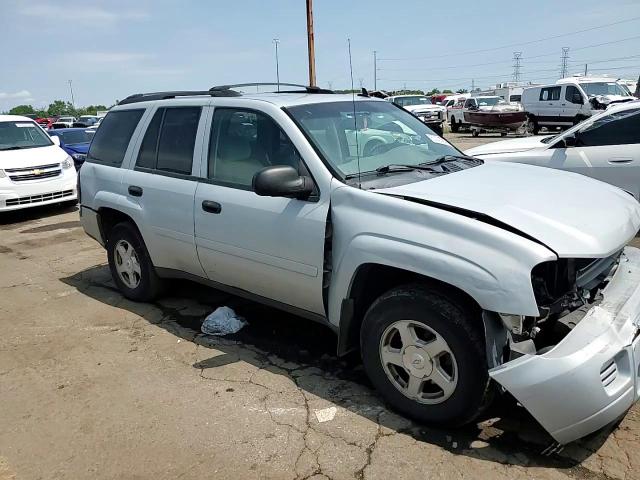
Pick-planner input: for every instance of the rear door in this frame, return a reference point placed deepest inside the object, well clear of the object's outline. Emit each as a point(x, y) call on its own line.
point(607, 149)
point(272, 247)
point(162, 185)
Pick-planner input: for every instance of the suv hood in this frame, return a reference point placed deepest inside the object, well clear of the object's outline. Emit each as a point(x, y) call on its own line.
point(573, 215)
point(509, 146)
point(31, 157)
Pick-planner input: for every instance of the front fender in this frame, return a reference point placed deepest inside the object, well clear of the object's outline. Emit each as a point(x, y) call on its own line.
point(490, 264)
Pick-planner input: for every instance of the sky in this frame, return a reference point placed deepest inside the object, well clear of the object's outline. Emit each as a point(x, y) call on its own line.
point(111, 49)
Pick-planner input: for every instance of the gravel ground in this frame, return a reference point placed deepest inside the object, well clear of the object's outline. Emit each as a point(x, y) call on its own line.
point(95, 386)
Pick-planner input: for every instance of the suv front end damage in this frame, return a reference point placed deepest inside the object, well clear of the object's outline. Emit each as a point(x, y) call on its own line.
point(576, 368)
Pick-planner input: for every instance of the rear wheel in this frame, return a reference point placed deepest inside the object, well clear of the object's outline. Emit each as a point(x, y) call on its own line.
point(130, 264)
point(425, 354)
point(455, 126)
point(531, 126)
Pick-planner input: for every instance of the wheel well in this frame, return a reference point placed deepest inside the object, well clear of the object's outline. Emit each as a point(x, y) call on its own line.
point(109, 218)
point(369, 283)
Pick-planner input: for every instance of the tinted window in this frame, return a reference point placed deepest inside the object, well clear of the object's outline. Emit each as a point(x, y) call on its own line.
point(112, 138)
point(571, 92)
point(244, 142)
point(177, 139)
point(550, 93)
point(619, 128)
point(148, 150)
point(515, 98)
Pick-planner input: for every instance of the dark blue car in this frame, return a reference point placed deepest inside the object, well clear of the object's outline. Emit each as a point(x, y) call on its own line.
point(74, 141)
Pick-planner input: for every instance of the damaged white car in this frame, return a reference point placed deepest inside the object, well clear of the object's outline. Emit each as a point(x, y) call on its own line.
point(455, 278)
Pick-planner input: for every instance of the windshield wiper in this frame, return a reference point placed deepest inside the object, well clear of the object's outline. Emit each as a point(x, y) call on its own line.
point(401, 167)
point(15, 147)
point(450, 158)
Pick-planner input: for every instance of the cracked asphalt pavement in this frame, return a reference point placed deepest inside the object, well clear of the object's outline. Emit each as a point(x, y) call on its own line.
point(95, 386)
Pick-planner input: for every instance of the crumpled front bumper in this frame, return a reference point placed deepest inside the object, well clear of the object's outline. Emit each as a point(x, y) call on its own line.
point(591, 377)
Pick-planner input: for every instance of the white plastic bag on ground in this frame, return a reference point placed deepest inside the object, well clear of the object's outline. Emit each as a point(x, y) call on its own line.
point(223, 321)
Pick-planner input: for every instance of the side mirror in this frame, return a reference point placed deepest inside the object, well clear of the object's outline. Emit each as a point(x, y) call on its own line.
point(577, 98)
point(570, 141)
point(56, 139)
point(282, 181)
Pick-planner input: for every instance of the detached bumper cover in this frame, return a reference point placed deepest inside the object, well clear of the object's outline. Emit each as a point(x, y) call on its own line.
point(591, 377)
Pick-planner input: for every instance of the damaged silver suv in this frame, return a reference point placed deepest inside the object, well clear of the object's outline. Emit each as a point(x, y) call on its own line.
point(455, 278)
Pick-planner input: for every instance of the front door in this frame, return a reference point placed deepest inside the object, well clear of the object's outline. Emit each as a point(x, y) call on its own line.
point(269, 246)
point(607, 149)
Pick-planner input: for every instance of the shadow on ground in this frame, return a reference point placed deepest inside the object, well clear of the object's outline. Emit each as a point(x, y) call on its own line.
point(505, 434)
point(17, 218)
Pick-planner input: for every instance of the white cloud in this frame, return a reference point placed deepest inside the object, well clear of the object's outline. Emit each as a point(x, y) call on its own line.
point(79, 12)
point(22, 95)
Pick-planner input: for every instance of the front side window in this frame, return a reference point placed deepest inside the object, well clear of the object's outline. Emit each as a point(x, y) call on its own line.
point(573, 95)
point(21, 135)
point(169, 141)
point(619, 128)
point(550, 94)
point(244, 142)
point(379, 135)
point(111, 140)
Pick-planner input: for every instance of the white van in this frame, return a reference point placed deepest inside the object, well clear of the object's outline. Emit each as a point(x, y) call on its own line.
point(570, 100)
point(34, 170)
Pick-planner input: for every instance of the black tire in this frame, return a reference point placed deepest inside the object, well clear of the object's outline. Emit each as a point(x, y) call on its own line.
point(475, 132)
point(578, 118)
point(149, 285)
point(535, 128)
point(453, 320)
point(438, 129)
point(455, 126)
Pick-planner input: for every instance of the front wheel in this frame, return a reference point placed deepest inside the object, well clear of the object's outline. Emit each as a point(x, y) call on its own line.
point(424, 352)
point(455, 126)
point(531, 127)
point(130, 264)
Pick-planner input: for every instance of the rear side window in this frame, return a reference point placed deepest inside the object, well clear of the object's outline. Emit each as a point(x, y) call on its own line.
point(112, 138)
point(169, 140)
point(515, 98)
point(148, 150)
point(177, 139)
point(550, 94)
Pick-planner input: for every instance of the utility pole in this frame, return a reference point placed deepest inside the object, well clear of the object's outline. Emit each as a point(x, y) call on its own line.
point(473, 84)
point(310, 43)
point(276, 42)
point(73, 102)
point(516, 66)
point(564, 67)
point(375, 70)
point(585, 69)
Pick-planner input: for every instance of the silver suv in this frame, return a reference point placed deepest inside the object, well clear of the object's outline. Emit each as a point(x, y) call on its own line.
point(452, 276)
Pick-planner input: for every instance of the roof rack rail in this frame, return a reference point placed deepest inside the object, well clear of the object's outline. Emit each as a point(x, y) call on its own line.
point(306, 88)
point(144, 97)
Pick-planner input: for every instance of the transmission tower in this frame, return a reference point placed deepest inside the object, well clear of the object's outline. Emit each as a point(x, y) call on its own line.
point(516, 66)
point(564, 66)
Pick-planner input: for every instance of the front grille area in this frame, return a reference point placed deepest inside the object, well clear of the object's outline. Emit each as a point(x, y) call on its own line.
point(44, 197)
point(34, 173)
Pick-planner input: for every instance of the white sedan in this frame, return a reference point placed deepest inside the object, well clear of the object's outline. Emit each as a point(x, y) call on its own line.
point(606, 146)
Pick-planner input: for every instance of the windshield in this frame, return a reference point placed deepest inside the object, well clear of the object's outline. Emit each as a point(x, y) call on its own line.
point(603, 88)
point(385, 135)
point(19, 135)
point(74, 137)
point(490, 101)
point(417, 100)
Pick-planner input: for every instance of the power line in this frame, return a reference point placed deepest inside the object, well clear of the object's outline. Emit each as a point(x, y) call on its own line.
point(561, 35)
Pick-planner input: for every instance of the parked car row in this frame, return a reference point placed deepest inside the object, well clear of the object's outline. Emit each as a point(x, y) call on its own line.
point(451, 274)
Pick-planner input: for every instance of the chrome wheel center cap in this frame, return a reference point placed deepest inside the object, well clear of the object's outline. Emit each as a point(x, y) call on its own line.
point(417, 361)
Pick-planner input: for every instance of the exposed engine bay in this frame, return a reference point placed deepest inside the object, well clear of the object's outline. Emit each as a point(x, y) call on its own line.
point(565, 289)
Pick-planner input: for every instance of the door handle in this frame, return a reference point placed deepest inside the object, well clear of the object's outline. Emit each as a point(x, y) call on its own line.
point(211, 207)
point(135, 191)
point(621, 160)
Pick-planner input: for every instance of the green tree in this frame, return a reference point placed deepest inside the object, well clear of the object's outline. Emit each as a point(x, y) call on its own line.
point(22, 110)
point(462, 90)
point(446, 90)
point(60, 107)
point(433, 92)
